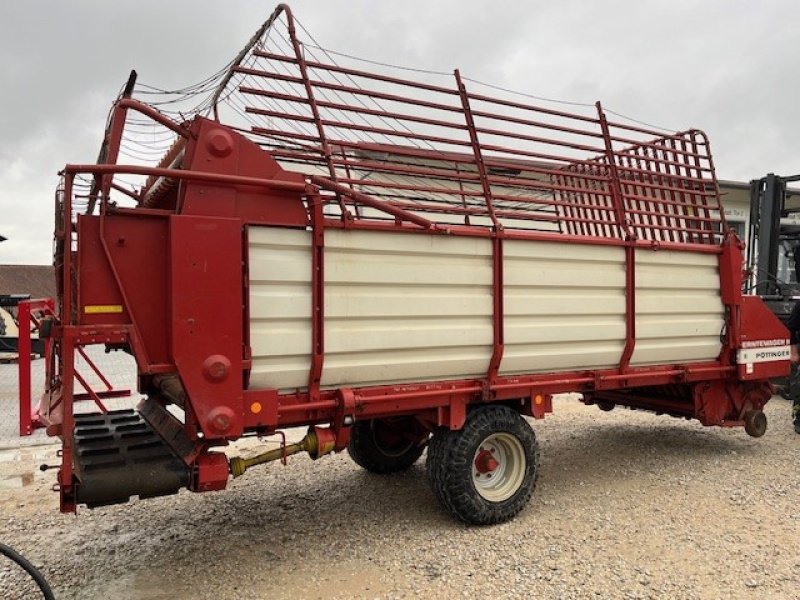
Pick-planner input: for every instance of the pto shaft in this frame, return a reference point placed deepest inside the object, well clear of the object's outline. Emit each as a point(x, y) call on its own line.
point(317, 442)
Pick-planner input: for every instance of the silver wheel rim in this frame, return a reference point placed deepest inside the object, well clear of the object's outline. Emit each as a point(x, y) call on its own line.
point(498, 467)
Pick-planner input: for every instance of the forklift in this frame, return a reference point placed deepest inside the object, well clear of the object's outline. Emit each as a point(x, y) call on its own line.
point(773, 250)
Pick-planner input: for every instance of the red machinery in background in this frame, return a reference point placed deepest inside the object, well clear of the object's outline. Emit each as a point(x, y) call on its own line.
point(384, 180)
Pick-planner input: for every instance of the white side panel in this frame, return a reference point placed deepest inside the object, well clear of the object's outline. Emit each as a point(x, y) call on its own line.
point(405, 307)
point(408, 307)
point(564, 306)
point(280, 307)
point(679, 312)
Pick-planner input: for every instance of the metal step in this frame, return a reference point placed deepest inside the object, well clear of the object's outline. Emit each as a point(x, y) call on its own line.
point(118, 455)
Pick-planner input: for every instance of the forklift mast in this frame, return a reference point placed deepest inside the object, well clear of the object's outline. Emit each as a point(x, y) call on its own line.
point(769, 238)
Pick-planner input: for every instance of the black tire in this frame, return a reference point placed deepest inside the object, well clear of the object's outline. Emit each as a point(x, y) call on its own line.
point(452, 460)
point(755, 423)
point(606, 405)
point(435, 462)
point(382, 446)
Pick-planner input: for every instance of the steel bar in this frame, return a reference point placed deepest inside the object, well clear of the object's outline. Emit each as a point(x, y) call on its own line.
point(393, 167)
point(364, 74)
point(529, 107)
point(363, 110)
point(358, 92)
point(541, 140)
point(384, 206)
point(24, 367)
point(275, 184)
point(312, 102)
point(92, 394)
point(94, 368)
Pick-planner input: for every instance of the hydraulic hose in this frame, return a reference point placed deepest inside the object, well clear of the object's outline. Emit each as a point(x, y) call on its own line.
point(29, 569)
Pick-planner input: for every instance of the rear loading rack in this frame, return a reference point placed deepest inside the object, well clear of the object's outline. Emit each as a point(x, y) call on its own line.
point(395, 264)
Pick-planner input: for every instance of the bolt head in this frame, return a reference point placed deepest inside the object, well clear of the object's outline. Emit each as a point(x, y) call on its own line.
point(219, 143)
point(216, 368)
point(220, 420)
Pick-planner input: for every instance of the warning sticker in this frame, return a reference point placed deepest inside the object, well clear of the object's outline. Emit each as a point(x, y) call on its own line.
point(100, 309)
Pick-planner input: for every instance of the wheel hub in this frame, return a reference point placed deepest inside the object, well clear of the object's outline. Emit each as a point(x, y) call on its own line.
point(485, 462)
point(498, 467)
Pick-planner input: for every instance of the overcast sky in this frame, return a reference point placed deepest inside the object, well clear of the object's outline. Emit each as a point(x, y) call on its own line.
point(727, 67)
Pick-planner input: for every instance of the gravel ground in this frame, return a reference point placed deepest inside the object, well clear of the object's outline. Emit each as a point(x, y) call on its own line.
point(628, 505)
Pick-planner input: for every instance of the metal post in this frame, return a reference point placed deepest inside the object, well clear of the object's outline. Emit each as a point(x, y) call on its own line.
point(24, 367)
point(752, 232)
point(498, 346)
point(66, 258)
point(65, 473)
point(476, 150)
point(312, 103)
point(771, 206)
point(317, 293)
point(630, 249)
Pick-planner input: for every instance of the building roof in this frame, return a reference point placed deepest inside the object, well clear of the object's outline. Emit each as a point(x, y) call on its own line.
point(37, 280)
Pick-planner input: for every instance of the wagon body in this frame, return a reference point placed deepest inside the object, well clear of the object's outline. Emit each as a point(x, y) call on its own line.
point(395, 253)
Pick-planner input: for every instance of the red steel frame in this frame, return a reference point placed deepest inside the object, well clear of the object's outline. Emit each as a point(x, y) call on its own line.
point(29, 313)
point(35, 312)
point(652, 194)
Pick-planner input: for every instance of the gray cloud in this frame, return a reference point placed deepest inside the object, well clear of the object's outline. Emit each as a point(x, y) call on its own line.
point(728, 67)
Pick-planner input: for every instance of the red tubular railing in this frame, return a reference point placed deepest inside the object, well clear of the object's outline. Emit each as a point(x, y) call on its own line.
point(432, 147)
point(448, 147)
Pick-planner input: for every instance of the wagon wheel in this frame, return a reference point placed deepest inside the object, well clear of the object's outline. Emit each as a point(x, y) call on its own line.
point(486, 472)
point(386, 445)
point(755, 423)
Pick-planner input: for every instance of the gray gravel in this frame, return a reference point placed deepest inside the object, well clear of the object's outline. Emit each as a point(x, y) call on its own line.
point(628, 505)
